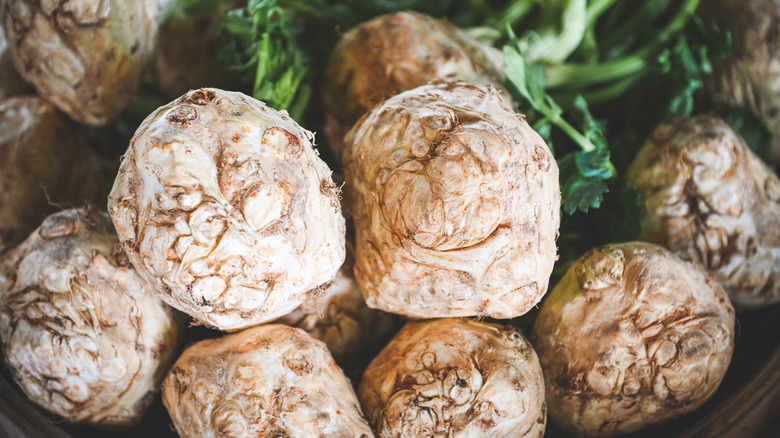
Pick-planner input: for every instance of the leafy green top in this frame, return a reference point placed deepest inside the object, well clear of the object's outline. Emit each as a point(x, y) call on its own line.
point(572, 57)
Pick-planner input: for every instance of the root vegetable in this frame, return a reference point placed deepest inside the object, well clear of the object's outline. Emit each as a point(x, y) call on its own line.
point(340, 318)
point(83, 334)
point(750, 78)
point(709, 199)
point(225, 206)
point(393, 53)
point(86, 57)
point(456, 204)
point(631, 337)
point(455, 378)
point(268, 381)
point(44, 160)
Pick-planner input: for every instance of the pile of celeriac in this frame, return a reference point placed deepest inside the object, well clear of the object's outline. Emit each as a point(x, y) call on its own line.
point(440, 218)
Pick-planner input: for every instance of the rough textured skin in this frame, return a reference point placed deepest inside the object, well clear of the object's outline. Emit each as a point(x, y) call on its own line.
point(82, 332)
point(630, 337)
point(393, 53)
point(750, 78)
point(223, 203)
point(456, 204)
point(269, 381)
point(11, 84)
point(339, 317)
point(44, 161)
point(709, 199)
point(450, 378)
point(86, 57)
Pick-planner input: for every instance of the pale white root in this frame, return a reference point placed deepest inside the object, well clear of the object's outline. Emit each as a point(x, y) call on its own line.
point(709, 199)
point(83, 334)
point(630, 337)
point(225, 206)
point(456, 204)
point(451, 378)
point(267, 381)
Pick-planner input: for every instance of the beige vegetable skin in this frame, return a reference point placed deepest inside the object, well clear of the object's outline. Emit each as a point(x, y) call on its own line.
point(393, 53)
point(83, 334)
point(44, 160)
point(630, 337)
point(338, 316)
point(86, 57)
point(455, 378)
point(224, 205)
point(455, 202)
point(750, 77)
point(268, 381)
point(709, 199)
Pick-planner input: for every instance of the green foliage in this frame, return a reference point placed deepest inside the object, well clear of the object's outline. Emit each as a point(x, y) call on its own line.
point(583, 173)
point(262, 45)
point(572, 64)
point(685, 64)
point(668, 86)
point(632, 64)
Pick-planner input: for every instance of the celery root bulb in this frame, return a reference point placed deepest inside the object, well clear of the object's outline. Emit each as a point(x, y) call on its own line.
point(455, 378)
point(267, 381)
point(455, 202)
point(86, 57)
point(709, 199)
point(748, 79)
point(83, 334)
point(630, 337)
point(393, 53)
point(224, 205)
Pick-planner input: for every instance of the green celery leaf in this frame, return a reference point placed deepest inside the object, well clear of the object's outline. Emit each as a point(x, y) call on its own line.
point(593, 164)
point(594, 129)
point(583, 173)
point(582, 194)
point(262, 45)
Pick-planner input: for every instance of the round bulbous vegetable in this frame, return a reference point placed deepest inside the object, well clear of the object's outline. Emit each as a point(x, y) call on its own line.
point(750, 77)
point(338, 316)
point(267, 381)
point(630, 337)
point(44, 160)
point(86, 57)
point(393, 53)
point(709, 199)
point(456, 204)
point(83, 335)
point(455, 378)
point(224, 205)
